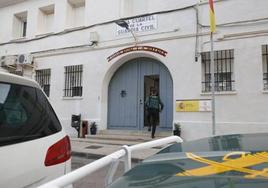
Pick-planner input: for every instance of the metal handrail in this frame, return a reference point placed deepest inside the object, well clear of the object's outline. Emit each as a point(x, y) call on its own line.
point(109, 159)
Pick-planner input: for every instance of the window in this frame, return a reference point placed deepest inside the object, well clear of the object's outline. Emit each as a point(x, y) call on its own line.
point(20, 25)
point(43, 78)
point(25, 114)
point(75, 13)
point(73, 81)
point(46, 19)
point(265, 66)
point(224, 80)
point(133, 7)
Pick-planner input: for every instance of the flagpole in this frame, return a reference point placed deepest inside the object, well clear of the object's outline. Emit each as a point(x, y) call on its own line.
point(212, 85)
point(212, 30)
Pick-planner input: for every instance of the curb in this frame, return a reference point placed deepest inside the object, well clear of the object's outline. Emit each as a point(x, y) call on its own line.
point(86, 155)
point(96, 156)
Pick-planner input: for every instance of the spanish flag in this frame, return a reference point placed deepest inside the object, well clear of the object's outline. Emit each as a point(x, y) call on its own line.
point(212, 17)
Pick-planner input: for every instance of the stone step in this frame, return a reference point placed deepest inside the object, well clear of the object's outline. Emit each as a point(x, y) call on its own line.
point(115, 137)
point(90, 140)
point(95, 149)
point(122, 135)
point(109, 141)
point(144, 133)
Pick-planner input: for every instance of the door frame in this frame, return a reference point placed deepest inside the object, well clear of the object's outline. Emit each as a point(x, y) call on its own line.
point(145, 95)
point(140, 108)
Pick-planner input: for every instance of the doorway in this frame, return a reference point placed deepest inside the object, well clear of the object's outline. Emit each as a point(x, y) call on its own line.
point(127, 92)
point(151, 82)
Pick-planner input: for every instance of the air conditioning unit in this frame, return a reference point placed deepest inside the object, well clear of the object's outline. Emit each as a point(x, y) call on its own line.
point(8, 60)
point(24, 59)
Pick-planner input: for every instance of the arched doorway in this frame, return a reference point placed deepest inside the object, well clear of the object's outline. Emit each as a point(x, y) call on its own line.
point(128, 89)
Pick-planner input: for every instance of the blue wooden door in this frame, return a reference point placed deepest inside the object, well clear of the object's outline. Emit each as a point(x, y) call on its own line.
point(126, 95)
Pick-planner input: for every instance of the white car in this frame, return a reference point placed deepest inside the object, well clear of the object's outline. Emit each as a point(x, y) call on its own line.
point(34, 148)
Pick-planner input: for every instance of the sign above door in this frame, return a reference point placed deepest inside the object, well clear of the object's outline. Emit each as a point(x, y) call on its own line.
point(139, 24)
point(137, 48)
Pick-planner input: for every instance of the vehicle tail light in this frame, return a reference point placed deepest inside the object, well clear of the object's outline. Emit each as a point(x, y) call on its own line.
point(58, 152)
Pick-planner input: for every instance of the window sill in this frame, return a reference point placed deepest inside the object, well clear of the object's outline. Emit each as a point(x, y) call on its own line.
point(74, 28)
point(220, 93)
point(44, 34)
point(265, 91)
point(72, 98)
point(19, 39)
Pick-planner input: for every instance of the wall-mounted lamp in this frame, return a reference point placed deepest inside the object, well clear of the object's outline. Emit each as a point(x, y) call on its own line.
point(124, 24)
point(93, 38)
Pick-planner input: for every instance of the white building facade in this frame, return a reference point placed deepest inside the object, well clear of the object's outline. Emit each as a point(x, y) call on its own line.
point(89, 65)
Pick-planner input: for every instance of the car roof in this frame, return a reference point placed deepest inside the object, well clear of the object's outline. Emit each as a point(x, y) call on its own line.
point(223, 161)
point(233, 142)
point(14, 79)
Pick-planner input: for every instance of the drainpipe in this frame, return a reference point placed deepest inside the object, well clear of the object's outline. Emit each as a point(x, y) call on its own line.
point(196, 8)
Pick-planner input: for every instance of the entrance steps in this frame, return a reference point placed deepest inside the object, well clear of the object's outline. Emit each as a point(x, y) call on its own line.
point(125, 137)
point(106, 142)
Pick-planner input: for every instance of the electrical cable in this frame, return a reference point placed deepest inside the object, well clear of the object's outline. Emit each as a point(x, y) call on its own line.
point(95, 25)
point(230, 24)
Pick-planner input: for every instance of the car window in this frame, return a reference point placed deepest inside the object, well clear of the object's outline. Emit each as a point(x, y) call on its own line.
point(25, 114)
point(15, 114)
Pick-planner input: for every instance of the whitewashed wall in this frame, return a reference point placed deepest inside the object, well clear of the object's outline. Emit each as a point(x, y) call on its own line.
point(241, 111)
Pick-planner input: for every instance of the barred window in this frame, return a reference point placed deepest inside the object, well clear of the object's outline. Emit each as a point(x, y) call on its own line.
point(265, 66)
point(223, 71)
point(43, 78)
point(73, 81)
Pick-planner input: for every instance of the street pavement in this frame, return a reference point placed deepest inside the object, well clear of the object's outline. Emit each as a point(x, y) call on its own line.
point(93, 147)
point(97, 178)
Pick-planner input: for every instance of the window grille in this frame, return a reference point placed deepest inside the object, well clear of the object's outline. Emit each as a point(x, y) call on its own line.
point(73, 81)
point(265, 66)
point(223, 71)
point(43, 78)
